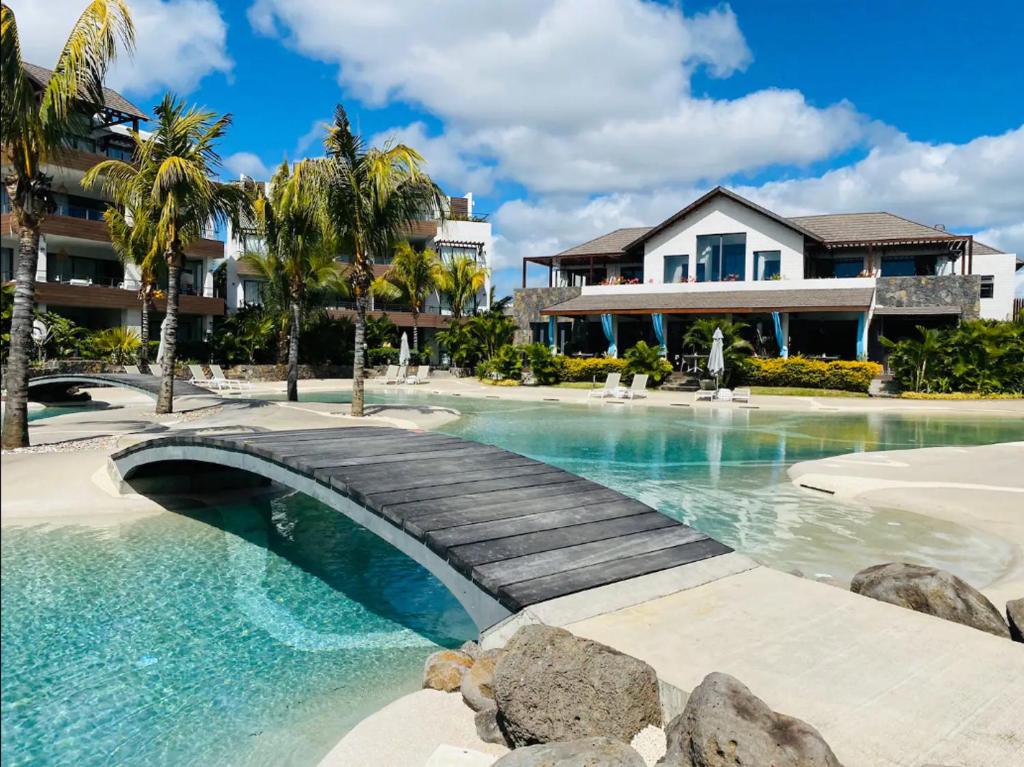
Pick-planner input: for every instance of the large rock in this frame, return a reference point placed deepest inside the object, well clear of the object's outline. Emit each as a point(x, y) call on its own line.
point(487, 727)
point(931, 591)
point(725, 725)
point(554, 686)
point(586, 752)
point(444, 670)
point(478, 683)
point(1015, 617)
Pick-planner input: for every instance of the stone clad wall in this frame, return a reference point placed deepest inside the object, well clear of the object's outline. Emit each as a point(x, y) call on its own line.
point(527, 303)
point(963, 290)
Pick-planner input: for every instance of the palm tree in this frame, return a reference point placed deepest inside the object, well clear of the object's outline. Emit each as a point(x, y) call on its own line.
point(171, 180)
point(371, 197)
point(132, 238)
point(461, 280)
point(34, 128)
point(299, 251)
point(412, 277)
point(734, 347)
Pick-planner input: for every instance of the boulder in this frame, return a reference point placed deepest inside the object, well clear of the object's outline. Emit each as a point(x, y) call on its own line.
point(471, 648)
point(478, 683)
point(586, 752)
point(553, 686)
point(931, 591)
point(1015, 617)
point(487, 727)
point(444, 670)
point(725, 725)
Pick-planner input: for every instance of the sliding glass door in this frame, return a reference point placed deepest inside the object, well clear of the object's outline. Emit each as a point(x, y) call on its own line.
point(721, 257)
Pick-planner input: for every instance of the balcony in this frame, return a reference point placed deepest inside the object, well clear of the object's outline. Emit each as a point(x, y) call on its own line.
point(122, 294)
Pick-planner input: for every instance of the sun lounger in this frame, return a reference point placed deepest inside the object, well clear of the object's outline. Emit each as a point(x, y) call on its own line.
point(199, 378)
point(704, 394)
point(394, 374)
point(218, 375)
point(637, 389)
point(132, 370)
point(611, 387)
point(724, 395)
point(742, 394)
point(422, 375)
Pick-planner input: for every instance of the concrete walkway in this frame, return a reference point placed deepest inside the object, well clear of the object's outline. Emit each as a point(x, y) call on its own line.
point(884, 685)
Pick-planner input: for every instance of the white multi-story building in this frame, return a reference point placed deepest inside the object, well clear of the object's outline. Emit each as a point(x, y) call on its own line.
point(814, 285)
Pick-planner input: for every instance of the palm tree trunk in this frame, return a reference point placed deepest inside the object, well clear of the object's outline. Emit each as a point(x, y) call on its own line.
point(293, 352)
point(15, 427)
point(416, 331)
point(144, 333)
point(358, 356)
point(165, 402)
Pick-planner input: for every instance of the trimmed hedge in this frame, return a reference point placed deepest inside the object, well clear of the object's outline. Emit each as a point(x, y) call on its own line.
point(812, 374)
point(576, 369)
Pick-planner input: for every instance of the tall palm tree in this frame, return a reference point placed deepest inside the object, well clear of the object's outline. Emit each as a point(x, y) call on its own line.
point(371, 197)
point(412, 277)
point(35, 128)
point(132, 238)
point(171, 179)
point(461, 280)
point(298, 249)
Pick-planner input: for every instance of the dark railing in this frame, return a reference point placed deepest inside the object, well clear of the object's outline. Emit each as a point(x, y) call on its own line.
point(80, 211)
point(378, 307)
point(124, 284)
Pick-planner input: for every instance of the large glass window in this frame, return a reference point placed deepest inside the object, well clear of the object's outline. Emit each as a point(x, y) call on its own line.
point(192, 278)
point(632, 273)
point(721, 257)
point(898, 266)
point(767, 264)
point(676, 268)
point(251, 292)
point(848, 267)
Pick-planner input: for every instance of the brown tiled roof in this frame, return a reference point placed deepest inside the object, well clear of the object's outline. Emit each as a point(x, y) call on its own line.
point(986, 250)
point(112, 99)
point(915, 311)
point(854, 227)
point(705, 302)
point(609, 244)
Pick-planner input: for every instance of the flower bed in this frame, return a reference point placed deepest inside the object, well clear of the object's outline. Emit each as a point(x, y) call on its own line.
point(807, 373)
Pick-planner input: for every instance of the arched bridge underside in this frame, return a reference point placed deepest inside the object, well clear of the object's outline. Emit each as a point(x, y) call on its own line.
point(54, 387)
point(500, 530)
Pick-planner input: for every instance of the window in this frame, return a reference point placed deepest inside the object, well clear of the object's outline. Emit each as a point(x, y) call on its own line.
point(676, 268)
point(847, 267)
point(451, 251)
point(192, 278)
point(767, 264)
point(899, 266)
point(631, 273)
point(250, 292)
point(721, 257)
point(988, 286)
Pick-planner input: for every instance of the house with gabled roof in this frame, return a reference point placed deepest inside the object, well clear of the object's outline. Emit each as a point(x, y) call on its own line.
point(824, 285)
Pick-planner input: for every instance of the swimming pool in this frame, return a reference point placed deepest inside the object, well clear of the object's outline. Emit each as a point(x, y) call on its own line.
point(258, 633)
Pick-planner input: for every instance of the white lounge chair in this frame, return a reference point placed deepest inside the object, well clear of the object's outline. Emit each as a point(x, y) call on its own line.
point(704, 394)
point(724, 395)
point(637, 389)
point(132, 370)
point(741, 394)
point(611, 387)
point(422, 375)
point(199, 378)
point(391, 374)
point(218, 375)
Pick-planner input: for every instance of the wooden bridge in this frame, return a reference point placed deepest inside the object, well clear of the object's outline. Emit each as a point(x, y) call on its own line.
point(53, 387)
point(500, 530)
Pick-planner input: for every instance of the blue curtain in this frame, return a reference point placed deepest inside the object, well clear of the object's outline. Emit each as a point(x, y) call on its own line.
point(552, 334)
point(609, 334)
point(780, 338)
point(658, 320)
point(862, 353)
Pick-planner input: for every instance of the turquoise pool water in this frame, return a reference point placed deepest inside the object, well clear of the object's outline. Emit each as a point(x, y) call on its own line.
point(258, 633)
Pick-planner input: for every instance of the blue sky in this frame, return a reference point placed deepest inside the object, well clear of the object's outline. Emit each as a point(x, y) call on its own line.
point(568, 118)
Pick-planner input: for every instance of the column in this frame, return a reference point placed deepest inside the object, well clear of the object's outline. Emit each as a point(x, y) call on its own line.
point(862, 336)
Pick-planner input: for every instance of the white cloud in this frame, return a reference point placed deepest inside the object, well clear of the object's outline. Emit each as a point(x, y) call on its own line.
point(248, 163)
point(447, 158)
point(178, 42)
point(1007, 238)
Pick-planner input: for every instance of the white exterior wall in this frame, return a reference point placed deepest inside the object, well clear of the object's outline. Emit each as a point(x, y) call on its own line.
point(1002, 267)
point(724, 216)
point(472, 231)
point(235, 293)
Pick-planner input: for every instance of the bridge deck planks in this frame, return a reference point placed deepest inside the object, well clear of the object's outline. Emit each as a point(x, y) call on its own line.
point(523, 530)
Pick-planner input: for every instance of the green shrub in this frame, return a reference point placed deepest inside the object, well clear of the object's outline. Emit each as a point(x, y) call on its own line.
point(811, 374)
point(388, 355)
point(588, 369)
point(505, 365)
point(119, 345)
point(647, 359)
point(542, 363)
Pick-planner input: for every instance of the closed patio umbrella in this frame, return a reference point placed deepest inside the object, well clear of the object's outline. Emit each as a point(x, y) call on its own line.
point(716, 360)
point(403, 351)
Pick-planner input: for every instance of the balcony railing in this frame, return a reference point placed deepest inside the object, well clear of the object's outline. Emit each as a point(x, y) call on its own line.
point(80, 211)
point(125, 283)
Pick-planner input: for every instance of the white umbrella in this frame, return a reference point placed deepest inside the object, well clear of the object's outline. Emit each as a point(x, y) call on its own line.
point(716, 360)
point(403, 351)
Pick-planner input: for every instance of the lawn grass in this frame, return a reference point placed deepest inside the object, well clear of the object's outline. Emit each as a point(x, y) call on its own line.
point(579, 385)
point(797, 391)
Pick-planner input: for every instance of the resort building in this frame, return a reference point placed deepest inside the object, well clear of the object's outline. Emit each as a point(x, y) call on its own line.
point(828, 285)
point(462, 232)
point(79, 276)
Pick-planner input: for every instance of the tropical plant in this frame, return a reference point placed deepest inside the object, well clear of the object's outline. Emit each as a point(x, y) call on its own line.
point(645, 359)
point(735, 348)
point(915, 354)
point(380, 331)
point(118, 345)
point(371, 196)
point(298, 251)
point(132, 238)
point(63, 336)
point(504, 365)
point(460, 344)
point(171, 180)
point(491, 330)
point(541, 361)
point(246, 336)
point(460, 281)
point(34, 129)
point(6, 311)
point(411, 278)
